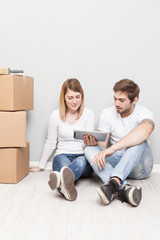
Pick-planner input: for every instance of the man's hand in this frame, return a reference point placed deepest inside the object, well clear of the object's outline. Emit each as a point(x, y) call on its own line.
point(89, 140)
point(100, 157)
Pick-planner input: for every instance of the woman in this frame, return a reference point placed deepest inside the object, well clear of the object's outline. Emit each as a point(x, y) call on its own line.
point(69, 163)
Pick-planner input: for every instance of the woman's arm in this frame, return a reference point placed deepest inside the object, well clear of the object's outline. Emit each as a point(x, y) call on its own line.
point(50, 144)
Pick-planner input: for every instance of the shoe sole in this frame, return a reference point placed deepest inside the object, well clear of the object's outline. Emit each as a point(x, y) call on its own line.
point(103, 196)
point(135, 196)
point(67, 184)
point(53, 182)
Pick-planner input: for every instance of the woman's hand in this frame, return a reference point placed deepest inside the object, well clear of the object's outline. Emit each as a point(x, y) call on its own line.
point(35, 169)
point(89, 140)
point(100, 157)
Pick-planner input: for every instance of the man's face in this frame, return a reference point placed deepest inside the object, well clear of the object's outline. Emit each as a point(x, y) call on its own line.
point(122, 103)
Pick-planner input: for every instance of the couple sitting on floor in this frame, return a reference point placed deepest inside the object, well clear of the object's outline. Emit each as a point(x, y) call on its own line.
point(129, 155)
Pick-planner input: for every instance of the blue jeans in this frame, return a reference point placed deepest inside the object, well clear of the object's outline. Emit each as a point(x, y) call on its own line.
point(135, 162)
point(76, 162)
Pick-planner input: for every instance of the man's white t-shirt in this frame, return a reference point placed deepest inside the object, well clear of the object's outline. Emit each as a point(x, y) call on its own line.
point(60, 135)
point(118, 127)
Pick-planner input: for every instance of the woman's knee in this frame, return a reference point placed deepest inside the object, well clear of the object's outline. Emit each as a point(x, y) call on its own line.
point(82, 166)
point(81, 161)
point(60, 161)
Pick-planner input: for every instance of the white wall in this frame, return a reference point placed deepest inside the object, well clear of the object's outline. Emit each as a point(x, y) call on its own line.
point(97, 41)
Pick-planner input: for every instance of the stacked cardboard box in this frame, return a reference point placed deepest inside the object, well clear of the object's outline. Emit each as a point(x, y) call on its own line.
point(16, 96)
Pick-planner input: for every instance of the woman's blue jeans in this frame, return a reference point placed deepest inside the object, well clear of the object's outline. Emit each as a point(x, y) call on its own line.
point(76, 162)
point(135, 162)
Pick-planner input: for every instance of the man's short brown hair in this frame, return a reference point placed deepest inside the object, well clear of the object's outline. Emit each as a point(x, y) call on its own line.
point(128, 86)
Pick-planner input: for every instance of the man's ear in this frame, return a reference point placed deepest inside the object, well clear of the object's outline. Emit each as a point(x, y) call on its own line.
point(135, 100)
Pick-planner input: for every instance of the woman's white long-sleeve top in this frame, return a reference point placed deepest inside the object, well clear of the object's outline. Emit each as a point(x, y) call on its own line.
point(60, 135)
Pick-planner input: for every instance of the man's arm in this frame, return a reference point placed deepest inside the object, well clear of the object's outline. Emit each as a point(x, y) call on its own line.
point(138, 135)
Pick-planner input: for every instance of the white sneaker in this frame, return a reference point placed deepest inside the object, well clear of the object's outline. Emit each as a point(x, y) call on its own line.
point(67, 184)
point(55, 180)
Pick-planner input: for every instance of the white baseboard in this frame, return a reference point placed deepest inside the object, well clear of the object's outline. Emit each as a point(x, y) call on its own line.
point(156, 167)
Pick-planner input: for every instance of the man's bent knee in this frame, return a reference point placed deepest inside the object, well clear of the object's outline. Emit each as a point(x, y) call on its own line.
point(91, 151)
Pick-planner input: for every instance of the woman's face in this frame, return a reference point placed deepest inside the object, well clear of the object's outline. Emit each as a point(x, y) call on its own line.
point(73, 100)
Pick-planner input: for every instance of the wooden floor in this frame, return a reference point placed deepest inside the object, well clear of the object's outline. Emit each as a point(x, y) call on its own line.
point(29, 210)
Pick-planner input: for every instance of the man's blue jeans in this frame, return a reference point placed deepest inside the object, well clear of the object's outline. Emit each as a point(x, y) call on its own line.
point(76, 162)
point(135, 162)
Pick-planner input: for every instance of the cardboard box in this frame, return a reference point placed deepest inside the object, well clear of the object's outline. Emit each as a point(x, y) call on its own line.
point(14, 164)
point(13, 129)
point(16, 92)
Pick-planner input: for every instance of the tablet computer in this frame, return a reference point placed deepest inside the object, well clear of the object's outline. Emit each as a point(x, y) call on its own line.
point(99, 136)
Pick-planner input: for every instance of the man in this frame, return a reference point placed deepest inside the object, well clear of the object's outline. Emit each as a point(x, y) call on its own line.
point(129, 154)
